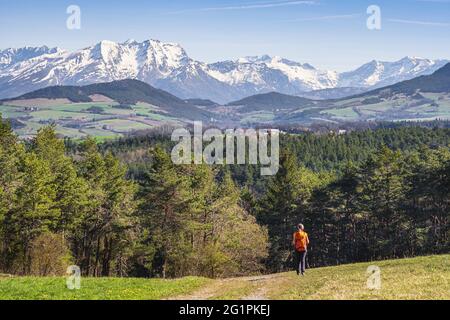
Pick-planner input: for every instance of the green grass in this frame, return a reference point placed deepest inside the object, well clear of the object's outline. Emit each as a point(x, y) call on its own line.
point(417, 278)
point(69, 132)
point(122, 125)
point(432, 96)
point(258, 116)
point(58, 115)
point(31, 288)
point(347, 101)
point(30, 129)
point(96, 132)
point(11, 111)
point(342, 113)
point(80, 106)
point(422, 278)
point(114, 118)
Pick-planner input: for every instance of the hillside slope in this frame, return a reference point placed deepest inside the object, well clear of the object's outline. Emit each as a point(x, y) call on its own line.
point(126, 92)
point(416, 278)
point(270, 101)
point(405, 279)
point(419, 99)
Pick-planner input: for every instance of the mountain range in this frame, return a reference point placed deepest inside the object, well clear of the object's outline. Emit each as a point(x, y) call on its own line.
point(420, 99)
point(167, 66)
point(125, 106)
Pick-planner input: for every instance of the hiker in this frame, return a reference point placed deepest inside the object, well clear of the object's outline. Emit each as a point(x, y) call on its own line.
point(300, 242)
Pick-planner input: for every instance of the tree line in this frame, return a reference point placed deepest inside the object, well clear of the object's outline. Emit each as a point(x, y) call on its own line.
point(122, 208)
point(392, 205)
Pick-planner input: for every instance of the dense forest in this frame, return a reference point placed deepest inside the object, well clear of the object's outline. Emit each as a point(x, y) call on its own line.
point(122, 208)
point(57, 210)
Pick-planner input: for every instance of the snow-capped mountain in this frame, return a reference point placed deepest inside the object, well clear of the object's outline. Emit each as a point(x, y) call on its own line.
point(265, 74)
point(13, 56)
point(376, 74)
point(167, 66)
point(106, 61)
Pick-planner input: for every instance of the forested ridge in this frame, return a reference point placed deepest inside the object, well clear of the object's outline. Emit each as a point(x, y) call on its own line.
point(122, 208)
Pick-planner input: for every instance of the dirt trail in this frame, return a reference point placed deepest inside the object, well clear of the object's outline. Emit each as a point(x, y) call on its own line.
point(245, 288)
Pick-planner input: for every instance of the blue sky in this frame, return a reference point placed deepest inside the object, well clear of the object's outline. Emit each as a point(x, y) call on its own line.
point(329, 34)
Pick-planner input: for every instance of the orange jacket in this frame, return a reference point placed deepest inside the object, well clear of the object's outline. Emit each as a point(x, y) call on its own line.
point(301, 241)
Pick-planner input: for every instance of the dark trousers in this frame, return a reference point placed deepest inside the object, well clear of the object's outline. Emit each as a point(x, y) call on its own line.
point(300, 261)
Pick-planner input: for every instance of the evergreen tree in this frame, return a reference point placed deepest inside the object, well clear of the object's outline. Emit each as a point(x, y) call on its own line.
point(71, 190)
point(11, 157)
point(283, 207)
point(163, 213)
point(35, 211)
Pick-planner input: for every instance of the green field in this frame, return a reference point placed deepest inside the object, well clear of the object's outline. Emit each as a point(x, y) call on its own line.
point(30, 288)
point(11, 111)
point(107, 120)
point(411, 279)
point(121, 125)
point(258, 116)
point(416, 278)
point(106, 123)
point(342, 113)
point(393, 109)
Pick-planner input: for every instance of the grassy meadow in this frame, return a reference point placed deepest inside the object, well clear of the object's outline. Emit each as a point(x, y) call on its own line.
point(421, 278)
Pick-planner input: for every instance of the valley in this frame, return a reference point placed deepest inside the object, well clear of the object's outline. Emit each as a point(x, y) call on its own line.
point(103, 120)
point(118, 108)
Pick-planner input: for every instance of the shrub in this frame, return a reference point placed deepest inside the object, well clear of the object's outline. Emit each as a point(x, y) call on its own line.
point(49, 255)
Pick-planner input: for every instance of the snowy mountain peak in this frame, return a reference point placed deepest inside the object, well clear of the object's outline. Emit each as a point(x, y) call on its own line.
point(254, 59)
point(11, 56)
point(167, 66)
point(105, 50)
point(130, 41)
point(414, 59)
point(382, 73)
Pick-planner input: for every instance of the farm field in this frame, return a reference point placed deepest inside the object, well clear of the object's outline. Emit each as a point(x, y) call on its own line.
point(109, 119)
point(104, 120)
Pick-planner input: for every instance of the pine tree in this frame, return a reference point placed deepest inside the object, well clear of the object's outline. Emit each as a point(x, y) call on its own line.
point(119, 230)
point(163, 214)
point(71, 190)
point(283, 207)
point(383, 190)
point(35, 211)
point(11, 157)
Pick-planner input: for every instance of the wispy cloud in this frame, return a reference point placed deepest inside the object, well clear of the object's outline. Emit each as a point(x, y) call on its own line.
point(438, 1)
point(422, 23)
point(255, 5)
point(334, 17)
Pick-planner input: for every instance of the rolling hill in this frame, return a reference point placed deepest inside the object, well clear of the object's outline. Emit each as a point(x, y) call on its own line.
point(270, 101)
point(104, 110)
point(202, 102)
point(438, 82)
point(124, 92)
point(123, 106)
point(422, 98)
